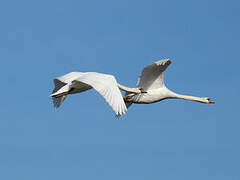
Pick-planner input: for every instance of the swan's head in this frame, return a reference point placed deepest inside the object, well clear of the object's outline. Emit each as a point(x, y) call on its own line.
point(207, 100)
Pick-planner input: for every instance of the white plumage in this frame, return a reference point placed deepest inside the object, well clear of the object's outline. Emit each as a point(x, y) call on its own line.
point(150, 87)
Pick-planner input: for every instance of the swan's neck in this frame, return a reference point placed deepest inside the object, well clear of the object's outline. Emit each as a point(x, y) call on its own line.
point(186, 97)
point(127, 89)
point(190, 98)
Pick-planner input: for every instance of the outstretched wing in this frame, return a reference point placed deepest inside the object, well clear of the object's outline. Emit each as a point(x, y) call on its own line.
point(152, 76)
point(106, 85)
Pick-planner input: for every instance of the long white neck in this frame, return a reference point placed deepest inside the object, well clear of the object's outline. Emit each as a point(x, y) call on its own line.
point(191, 98)
point(186, 97)
point(127, 89)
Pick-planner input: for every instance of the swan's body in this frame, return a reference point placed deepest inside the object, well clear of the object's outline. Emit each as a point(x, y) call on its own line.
point(150, 88)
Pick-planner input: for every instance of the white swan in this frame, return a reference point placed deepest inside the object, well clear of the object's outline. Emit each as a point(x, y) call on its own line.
point(150, 87)
point(152, 81)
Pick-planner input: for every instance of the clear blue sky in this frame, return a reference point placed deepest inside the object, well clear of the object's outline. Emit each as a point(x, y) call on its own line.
point(170, 140)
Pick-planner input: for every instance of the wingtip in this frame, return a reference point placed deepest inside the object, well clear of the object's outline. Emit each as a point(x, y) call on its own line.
point(167, 61)
point(118, 114)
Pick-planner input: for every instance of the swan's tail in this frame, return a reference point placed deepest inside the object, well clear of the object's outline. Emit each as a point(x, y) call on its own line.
point(59, 93)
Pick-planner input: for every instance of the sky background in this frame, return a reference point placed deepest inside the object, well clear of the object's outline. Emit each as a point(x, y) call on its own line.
point(172, 139)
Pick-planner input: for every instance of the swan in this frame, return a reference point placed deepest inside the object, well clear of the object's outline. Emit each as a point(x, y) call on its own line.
point(150, 88)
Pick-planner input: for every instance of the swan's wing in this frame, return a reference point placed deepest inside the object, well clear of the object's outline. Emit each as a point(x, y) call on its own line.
point(152, 76)
point(106, 85)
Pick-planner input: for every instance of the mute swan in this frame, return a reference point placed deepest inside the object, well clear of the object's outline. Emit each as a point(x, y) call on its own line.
point(150, 88)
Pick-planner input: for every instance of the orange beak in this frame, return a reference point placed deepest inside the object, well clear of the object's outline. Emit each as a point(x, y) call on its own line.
point(210, 101)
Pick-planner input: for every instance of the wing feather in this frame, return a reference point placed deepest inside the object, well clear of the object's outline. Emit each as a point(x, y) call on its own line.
point(106, 85)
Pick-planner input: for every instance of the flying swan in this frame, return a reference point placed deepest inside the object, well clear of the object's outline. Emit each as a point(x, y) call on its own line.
point(150, 88)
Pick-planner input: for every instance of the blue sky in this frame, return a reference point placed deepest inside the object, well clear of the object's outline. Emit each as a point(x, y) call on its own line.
point(173, 139)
